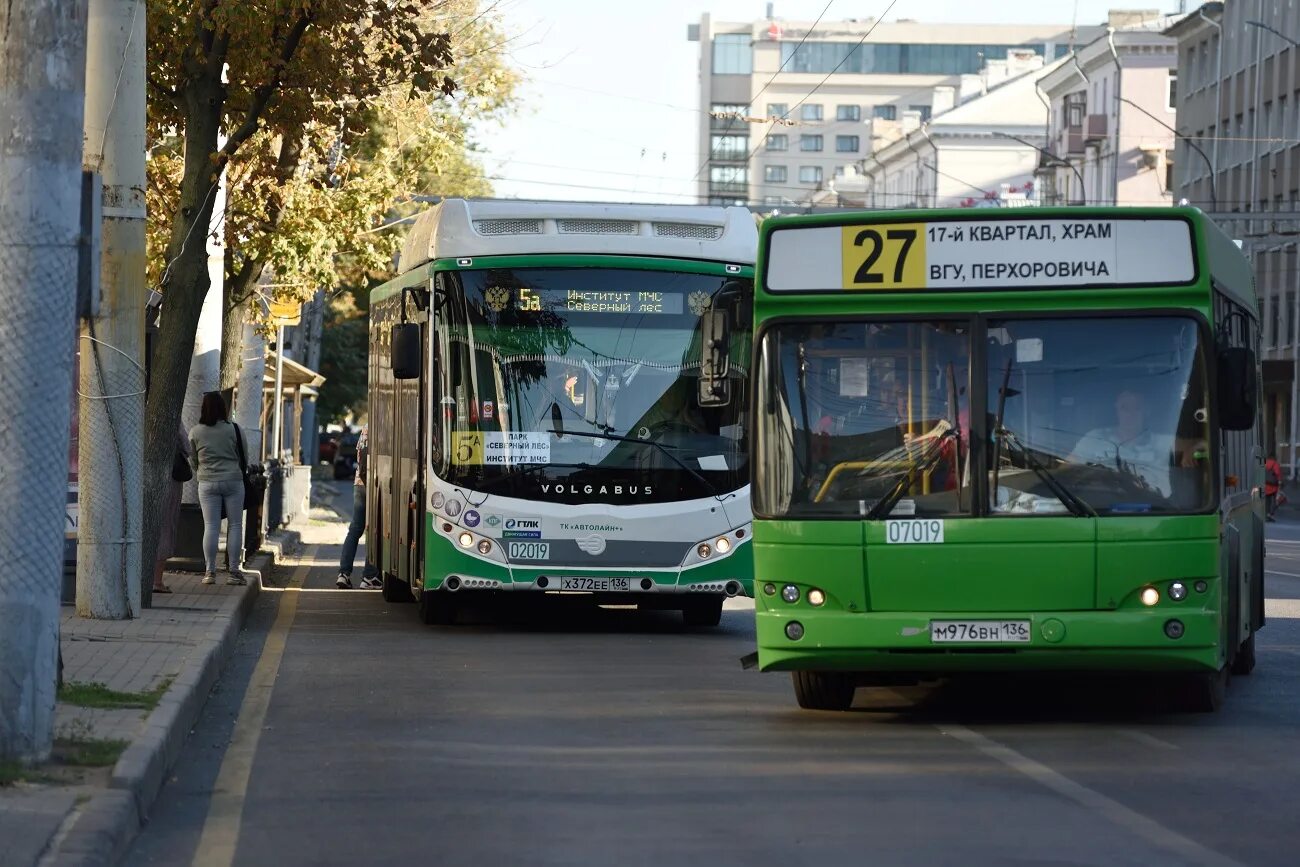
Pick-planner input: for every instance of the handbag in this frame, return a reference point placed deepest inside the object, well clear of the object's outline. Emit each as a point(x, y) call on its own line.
point(181, 470)
point(249, 498)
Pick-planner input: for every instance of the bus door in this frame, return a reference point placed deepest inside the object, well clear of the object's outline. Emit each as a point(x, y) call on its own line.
point(408, 474)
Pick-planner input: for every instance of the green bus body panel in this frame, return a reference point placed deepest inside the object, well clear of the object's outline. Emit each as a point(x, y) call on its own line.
point(1076, 580)
point(442, 558)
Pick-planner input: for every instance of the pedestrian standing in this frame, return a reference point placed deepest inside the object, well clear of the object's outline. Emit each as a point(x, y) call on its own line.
point(171, 510)
point(1272, 486)
point(215, 454)
point(370, 579)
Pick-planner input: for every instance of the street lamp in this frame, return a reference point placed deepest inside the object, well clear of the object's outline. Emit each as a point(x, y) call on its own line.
point(1056, 161)
point(1262, 26)
point(1214, 199)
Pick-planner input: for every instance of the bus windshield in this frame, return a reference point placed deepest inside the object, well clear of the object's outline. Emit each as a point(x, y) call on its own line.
point(592, 384)
point(1096, 415)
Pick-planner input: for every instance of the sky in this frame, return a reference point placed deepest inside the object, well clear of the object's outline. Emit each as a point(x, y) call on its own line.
point(610, 106)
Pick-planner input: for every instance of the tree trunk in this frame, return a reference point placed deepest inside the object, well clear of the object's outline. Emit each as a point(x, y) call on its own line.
point(233, 316)
point(185, 285)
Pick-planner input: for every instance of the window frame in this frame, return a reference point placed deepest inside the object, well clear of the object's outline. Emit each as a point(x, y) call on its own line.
point(811, 143)
point(853, 115)
point(842, 139)
point(818, 169)
point(811, 111)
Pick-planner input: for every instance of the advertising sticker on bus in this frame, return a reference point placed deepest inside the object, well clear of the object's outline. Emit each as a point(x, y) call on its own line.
point(1020, 252)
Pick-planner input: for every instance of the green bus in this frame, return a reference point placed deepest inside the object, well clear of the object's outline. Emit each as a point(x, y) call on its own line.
point(1000, 441)
point(557, 406)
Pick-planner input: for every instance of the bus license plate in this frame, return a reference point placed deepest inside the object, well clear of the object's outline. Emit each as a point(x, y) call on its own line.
point(979, 631)
point(595, 585)
point(530, 550)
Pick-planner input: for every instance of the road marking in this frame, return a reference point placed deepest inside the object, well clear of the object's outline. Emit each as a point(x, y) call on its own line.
point(1147, 739)
point(1188, 850)
point(1287, 574)
point(220, 835)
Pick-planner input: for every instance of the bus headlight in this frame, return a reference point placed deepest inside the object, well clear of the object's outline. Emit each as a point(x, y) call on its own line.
point(704, 550)
point(484, 546)
point(723, 545)
point(790, 593)
point(1150, 596)
point(1178, 591)
point(466, 540)
point(816, 597)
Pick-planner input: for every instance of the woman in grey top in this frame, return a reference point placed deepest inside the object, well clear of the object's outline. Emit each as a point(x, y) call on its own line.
point(214, 454)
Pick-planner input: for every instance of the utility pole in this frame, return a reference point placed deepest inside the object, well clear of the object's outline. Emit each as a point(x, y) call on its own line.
point(111, 429)
point(42, 101)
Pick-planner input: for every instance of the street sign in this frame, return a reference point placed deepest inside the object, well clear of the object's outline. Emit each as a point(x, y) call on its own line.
point(286, 312)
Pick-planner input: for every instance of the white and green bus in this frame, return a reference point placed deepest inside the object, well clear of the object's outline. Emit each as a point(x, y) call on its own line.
point(558, 405)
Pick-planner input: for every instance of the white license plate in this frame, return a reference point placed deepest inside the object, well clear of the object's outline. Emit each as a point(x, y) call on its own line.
point(979, 631)
point(530, 550)
point(595, 585)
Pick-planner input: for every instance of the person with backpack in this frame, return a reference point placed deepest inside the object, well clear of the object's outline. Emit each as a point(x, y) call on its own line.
point(217, 455)
point(1272, 486)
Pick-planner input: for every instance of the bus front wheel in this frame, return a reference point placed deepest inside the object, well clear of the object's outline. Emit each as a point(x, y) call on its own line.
point(824, 690)
point(1203, 692)
point(1244, 662)
point(396, 590)
point(703, 612)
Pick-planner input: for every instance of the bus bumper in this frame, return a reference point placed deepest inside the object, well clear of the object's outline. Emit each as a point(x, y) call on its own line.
point(901, 643)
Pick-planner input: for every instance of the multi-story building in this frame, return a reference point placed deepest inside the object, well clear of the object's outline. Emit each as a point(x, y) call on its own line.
point(979, 148)
point(1112, 116)
point(785, 105)
point(1238, 156)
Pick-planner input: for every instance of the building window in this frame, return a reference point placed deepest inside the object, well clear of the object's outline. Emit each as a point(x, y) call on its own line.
point(778, 142)
point(885, 112)
point(810, 174)
point(777, 109)
point(810, 112)
point(1075, 106)
point(774, 174)
point(846, 144)
point(771, 200)
point(851, 113)
point(732, 54)
point(730, 147)
point(922, 110)
point(810, 142)
point(728, 179)
point(1172, 101)
point(726, 116)
point(895, 58)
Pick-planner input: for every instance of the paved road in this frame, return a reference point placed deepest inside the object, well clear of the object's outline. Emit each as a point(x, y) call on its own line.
point(616, 738)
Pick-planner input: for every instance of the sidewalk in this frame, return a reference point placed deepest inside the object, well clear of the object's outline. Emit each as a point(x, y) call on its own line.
point(114, 749)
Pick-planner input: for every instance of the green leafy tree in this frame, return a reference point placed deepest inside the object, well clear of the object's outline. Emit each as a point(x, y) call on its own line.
point(259, 90)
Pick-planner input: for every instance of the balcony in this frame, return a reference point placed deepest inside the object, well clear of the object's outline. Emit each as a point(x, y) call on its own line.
point(1074, 141)
point(728, 188)
point(1094, 128)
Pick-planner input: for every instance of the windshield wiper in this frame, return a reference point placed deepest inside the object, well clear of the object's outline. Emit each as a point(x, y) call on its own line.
point(660, 446)
point(886, 504)
point(1071, 500)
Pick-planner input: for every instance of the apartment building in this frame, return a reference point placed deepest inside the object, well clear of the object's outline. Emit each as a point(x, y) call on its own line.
point(1238, 156)
point(1112, 116)
point(786, 106)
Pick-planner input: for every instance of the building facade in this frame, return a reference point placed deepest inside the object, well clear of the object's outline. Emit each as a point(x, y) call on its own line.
point(786, 107)
point(1238, 157)
point(982, 151)
point(1113, 116)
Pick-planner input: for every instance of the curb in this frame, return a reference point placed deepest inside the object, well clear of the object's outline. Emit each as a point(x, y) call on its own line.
point(105, 828)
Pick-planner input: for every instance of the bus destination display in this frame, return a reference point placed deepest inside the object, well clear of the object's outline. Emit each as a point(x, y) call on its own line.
point(982, 254)
point(598, 301)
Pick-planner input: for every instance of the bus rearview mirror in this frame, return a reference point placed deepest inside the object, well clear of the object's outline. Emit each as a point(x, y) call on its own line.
point(405, 351)
point(1237, 387)
point(715, 358)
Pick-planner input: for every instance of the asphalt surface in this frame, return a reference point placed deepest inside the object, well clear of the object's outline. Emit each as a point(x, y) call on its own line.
point(612, 737)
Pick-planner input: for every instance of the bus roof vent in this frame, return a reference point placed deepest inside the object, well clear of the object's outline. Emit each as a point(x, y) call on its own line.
point(508, 227)
point(693, 231)
point(596, 227)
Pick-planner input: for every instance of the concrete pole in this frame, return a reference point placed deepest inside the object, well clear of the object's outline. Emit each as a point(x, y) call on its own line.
point(42, 100)
point(314, 319)
point(248, 400)
point(111, 406)
point(277, 435)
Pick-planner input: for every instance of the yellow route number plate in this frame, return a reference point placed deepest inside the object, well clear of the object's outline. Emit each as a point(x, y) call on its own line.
point(885, 256)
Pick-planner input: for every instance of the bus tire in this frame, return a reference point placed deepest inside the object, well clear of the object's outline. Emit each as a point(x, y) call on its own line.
point(436, 609)
point(703, 612)
point(1244, 662)
point(1203, 692)
point(824, 690)
point(396, 590)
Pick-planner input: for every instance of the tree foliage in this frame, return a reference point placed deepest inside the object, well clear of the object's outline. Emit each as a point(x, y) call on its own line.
point(286, 98)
